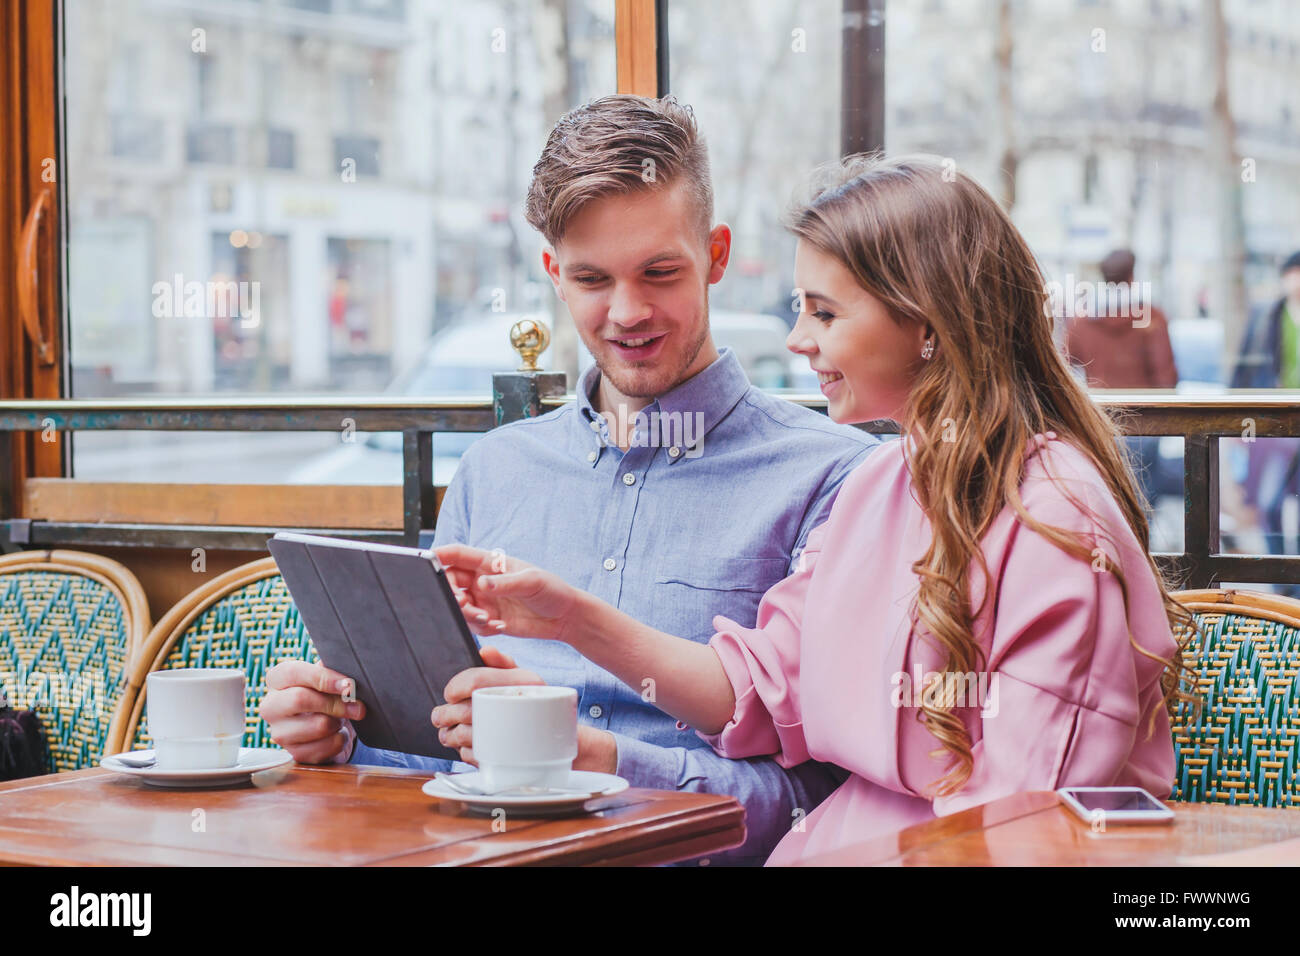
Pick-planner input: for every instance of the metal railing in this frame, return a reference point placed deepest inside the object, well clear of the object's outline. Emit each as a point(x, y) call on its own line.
point(1201, 422)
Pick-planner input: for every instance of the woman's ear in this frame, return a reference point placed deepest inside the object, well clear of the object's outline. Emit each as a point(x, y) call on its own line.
point(925, 334)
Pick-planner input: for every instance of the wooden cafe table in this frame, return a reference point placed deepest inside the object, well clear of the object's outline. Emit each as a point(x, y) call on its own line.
point(1036, 829)
point(348, 815)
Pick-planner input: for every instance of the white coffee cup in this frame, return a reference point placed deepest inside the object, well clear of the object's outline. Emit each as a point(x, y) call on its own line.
point(525, 735)
point(196, 717)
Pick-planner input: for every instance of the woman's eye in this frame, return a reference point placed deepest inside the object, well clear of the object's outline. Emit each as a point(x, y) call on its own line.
point(823, 315)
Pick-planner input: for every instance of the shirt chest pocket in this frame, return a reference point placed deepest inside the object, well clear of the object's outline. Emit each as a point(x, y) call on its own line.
point(691, 588)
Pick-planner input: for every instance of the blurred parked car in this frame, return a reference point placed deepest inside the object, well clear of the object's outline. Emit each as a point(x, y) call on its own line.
point(459, 362)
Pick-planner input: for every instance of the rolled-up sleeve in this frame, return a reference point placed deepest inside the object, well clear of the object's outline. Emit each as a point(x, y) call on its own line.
point(762, 663)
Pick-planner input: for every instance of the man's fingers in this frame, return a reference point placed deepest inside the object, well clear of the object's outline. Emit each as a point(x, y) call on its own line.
point(320, 751)
point(305, 729)
point(494, 657)
point(448, 715)
point(304, 674)
point(456, 737)
point(279, 704)
point(467, 681)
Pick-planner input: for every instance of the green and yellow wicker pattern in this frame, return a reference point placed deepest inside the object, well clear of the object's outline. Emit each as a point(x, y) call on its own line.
point(67, 628)
point(1243, 748)
point(251, 626)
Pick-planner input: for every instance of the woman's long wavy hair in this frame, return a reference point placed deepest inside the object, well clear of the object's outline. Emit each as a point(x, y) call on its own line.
point(934, 247)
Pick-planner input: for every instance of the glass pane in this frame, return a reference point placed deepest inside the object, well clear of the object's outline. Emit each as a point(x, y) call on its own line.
point(272, 197)
point(1259, 489)
point(1158, 463)
point(764, 82)
point(1094, 123)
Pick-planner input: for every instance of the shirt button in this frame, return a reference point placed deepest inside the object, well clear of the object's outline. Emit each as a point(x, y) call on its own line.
point(674, 452)
point(595, 711)
point(595, 426)
point(629, 478)
point(592, 456)
point(610, 564)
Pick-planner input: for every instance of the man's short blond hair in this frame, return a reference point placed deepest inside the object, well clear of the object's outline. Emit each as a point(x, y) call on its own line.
point(618, 144)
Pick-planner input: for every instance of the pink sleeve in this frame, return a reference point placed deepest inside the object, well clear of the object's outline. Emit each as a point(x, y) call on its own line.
point(1069, 699)
point(762, 663)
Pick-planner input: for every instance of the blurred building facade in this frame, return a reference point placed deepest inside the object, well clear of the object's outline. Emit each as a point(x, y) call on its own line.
point(1110, 127)
point(362, 161)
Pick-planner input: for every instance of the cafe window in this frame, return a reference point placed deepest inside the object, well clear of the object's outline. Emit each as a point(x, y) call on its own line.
point(359, 167)
point(363, 166)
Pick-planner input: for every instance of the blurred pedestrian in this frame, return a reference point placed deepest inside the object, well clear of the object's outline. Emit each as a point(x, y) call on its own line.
point(1123, 342)
point(1270, 358)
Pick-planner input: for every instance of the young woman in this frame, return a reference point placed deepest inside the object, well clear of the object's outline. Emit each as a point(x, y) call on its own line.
point(980, 614)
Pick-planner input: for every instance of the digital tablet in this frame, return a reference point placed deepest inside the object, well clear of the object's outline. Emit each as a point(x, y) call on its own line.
point(385, 616)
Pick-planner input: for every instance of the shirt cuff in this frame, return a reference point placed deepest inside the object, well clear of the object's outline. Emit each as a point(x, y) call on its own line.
point(345, 755)
point(645, 765)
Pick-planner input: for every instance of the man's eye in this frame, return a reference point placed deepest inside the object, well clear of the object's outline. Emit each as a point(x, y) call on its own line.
point(660, 273)
point(587, 280)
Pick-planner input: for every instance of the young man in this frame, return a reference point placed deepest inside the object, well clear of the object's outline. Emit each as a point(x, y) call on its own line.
point(693, 509)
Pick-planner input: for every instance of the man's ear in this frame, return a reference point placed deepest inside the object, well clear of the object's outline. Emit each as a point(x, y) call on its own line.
point(551, 265)
point(719, 251)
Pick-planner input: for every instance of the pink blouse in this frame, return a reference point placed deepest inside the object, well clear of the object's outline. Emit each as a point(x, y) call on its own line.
point(1066, 700)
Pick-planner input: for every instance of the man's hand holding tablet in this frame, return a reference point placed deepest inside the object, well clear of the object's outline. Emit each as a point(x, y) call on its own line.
point(597, 749)
point(304, 710)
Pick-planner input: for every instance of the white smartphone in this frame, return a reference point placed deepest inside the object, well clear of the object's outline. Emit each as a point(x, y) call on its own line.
point(1114, 805)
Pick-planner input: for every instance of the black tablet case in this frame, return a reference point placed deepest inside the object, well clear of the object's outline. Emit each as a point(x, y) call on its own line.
point(389, 620)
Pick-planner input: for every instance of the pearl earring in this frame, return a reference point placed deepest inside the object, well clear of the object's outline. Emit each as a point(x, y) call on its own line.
point(927, 349)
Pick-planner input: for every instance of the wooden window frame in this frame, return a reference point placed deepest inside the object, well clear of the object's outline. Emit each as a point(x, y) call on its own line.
point(33, 364)
point(641, 46)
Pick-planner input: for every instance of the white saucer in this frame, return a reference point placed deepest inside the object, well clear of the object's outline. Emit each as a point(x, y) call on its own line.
point(251, 760)
point(539, 804)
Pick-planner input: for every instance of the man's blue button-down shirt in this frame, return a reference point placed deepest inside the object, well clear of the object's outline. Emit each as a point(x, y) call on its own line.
point(671, 533)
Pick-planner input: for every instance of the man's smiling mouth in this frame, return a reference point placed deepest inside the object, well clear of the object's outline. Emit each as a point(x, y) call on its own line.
point(633, 343)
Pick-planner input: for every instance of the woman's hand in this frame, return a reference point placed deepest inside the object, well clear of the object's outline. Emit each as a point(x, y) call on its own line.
point(500, 594)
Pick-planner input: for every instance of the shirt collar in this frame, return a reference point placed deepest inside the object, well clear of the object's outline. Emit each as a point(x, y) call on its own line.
point(706, 397)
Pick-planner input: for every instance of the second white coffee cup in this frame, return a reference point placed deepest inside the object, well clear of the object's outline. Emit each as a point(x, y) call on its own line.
point(525, 735)
point(196, 717)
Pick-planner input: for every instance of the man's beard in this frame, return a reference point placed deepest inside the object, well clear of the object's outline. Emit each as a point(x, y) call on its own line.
point(634, 385)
